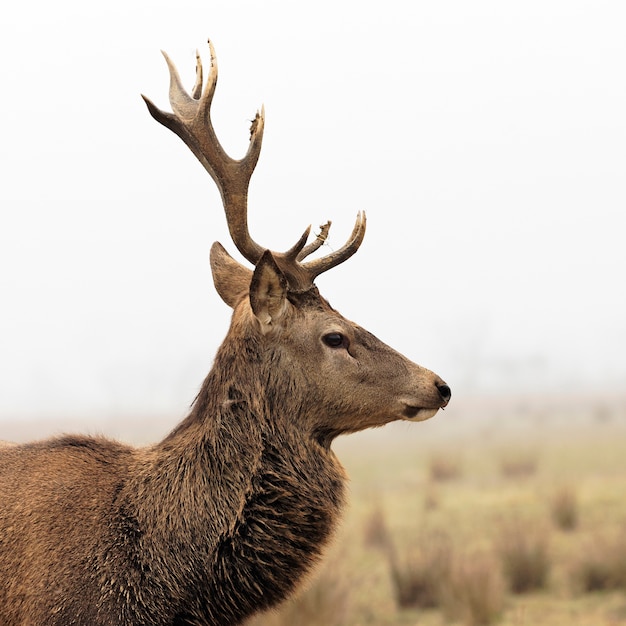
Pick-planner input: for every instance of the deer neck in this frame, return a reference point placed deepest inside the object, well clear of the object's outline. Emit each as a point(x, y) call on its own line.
point(250, 498)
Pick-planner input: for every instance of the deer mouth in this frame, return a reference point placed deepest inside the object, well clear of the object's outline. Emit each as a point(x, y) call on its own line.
point(417, 413)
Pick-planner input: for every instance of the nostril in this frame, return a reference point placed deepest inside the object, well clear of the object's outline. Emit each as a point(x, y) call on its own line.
point(444, 391)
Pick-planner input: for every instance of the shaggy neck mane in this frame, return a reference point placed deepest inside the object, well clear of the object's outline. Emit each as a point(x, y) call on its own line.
point(258, 498)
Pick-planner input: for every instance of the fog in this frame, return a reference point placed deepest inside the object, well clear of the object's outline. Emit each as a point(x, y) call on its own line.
point(486, 142)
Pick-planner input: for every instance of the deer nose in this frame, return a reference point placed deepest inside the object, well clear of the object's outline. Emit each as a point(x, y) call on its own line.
point(444, 391)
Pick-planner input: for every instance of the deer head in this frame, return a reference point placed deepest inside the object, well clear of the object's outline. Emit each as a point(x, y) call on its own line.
point(349, 379)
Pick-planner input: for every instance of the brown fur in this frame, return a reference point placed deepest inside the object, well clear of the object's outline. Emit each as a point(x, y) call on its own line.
point(225, 515)
point(229, 512)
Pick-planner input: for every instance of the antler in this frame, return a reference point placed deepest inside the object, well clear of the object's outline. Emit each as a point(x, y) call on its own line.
point(191, 121)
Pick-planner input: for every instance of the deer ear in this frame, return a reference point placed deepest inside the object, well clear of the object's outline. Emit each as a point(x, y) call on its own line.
point(231, 279)
point(268, 292)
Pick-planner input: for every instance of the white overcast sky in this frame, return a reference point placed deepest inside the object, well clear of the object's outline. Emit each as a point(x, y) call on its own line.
point(485, 140)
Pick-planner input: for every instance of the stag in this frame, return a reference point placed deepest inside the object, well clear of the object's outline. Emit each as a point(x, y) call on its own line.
point(230, 511)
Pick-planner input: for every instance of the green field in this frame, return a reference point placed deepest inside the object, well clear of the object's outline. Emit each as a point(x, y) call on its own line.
point(509, 513)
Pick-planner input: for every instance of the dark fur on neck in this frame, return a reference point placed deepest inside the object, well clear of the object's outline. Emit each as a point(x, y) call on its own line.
point(221, 519)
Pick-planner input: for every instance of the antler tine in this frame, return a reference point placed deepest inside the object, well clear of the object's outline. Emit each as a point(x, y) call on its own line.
point(196, 92)
point(191, 121)
point(295, 252)
point(316, 267)
point(183, 105)
point(319, 240)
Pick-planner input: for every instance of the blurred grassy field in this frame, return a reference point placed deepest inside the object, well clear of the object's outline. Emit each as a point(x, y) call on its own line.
point(440, 502)
point(470, 479)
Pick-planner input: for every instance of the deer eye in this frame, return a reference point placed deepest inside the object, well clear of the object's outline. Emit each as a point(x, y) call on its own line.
point(335, 340)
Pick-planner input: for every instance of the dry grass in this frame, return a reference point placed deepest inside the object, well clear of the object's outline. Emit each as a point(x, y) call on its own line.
point(326, 601)
point(564, 509)
point(518, 463)
point(375, 533)
point(433, 573)
point(601, 564)
point(420, 570)
point(444, 467)
point(431, 497)
point(475, 592)
point(523, 550)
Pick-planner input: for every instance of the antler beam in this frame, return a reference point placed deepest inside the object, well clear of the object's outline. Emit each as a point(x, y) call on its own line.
point(191, 121)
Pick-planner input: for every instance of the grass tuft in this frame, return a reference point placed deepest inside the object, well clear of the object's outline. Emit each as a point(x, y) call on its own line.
point(524, 555)
point(475, 593)
point(376, 533)
point(419, 574)
point(601, 565)
point(564, 509)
